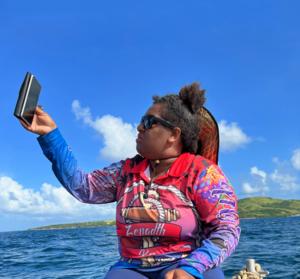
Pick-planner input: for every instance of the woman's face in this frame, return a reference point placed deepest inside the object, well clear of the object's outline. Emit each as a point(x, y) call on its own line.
point(152, 143)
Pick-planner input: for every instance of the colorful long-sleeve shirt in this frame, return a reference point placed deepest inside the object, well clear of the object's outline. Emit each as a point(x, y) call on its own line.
point(187, 215)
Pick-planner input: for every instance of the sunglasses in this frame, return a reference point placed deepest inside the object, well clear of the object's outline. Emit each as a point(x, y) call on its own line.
point(148, 120)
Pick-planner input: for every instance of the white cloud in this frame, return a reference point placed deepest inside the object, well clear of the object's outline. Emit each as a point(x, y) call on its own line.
point(282, 180)
point(259, 179)
point(49, 201)
point(286, 181)
point(257, 189)
point(296, 159)
point(259, 173)
point(249, 189)
point(119, 137)
point(231, 136)
point(276, 160)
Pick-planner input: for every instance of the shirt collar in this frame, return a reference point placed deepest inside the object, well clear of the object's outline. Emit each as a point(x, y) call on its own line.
point(180, 165)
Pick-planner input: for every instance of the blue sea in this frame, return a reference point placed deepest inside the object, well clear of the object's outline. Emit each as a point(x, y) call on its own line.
point(88, 253)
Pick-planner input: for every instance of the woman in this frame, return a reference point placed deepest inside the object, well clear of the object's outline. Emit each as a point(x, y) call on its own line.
point(176, 214)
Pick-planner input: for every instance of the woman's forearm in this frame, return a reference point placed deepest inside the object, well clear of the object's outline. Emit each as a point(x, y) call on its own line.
point(95, 187)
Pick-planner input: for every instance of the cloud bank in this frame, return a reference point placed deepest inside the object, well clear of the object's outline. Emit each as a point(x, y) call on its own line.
point(258, 186)
point(232, 136)
point(49, 201)
point(250, 189)
point(259, 173)
point(287, 182)
point(283, 178)
point(296, 159)
point(119, 137)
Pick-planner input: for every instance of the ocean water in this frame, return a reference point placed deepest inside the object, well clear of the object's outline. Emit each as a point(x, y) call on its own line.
point(88, 253)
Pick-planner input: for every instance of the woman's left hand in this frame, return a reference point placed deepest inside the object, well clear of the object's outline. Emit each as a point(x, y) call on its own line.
point(178, 274)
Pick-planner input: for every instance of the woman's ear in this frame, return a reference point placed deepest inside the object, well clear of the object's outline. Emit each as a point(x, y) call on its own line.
point(176, 134)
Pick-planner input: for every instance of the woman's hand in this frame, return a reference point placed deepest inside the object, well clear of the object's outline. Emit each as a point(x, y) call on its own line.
point(42, 123)
point(178, 274)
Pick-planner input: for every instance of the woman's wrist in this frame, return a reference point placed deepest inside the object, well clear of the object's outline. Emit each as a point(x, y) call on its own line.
point(46, 130)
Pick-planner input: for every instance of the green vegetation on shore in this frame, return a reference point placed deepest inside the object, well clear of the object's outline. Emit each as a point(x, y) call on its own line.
point(261, 207)
point(77, 225)
point(258, 207)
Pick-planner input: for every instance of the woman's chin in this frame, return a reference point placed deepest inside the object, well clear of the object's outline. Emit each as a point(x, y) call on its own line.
point(142, 152)
point(139, 149)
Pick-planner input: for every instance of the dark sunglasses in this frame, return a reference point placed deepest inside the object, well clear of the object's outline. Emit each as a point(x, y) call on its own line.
point(148, 120)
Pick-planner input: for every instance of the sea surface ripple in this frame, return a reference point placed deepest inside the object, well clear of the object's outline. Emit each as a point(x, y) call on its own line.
point(88, 253)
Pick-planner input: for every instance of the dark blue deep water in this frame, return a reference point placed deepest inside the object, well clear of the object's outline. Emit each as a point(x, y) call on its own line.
point(88, 253)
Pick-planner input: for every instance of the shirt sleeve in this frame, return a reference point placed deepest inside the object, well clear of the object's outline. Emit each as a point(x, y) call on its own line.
point(192, 271)
point(96, 187)
point(216, 205)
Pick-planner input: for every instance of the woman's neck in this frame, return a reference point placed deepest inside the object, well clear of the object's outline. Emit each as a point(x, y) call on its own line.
point(159, 167)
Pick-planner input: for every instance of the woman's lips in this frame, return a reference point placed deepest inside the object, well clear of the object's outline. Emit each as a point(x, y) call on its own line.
point(139, 138)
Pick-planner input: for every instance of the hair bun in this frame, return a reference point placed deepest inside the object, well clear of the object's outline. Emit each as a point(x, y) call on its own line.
point(192, 97)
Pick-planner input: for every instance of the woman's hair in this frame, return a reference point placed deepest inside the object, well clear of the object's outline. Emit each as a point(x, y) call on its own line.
point(183, 111)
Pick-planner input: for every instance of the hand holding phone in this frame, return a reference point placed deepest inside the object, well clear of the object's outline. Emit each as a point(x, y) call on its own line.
point(41, 124)
point(31, 116)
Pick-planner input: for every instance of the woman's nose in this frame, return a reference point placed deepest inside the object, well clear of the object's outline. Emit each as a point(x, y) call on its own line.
point(140, 127)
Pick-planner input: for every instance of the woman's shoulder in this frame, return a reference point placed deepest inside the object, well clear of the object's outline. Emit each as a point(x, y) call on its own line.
point(133, 163)
point(191, 165)
point(134, 160)
point(201, 162)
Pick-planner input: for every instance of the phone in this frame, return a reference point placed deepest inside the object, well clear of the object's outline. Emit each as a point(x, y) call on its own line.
point(28, 98)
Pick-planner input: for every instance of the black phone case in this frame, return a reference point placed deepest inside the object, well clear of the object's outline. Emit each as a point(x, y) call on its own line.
point(28, 98)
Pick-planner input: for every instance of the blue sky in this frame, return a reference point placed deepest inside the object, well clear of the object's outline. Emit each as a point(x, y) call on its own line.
point(99, 64)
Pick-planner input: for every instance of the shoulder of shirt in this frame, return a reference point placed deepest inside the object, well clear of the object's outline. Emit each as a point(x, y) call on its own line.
point(200, 161)
point(131, 163)
point(134, 160)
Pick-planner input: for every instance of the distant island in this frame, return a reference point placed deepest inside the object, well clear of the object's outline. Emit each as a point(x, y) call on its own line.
point(77, 225)
point(258, 207)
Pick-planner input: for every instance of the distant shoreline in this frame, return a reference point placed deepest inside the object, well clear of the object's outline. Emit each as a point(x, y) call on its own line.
point(249, 208)
point(75, 225)
point(112, 223)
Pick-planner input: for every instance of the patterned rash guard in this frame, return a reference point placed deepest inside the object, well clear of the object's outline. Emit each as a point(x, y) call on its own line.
point(186, 216)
